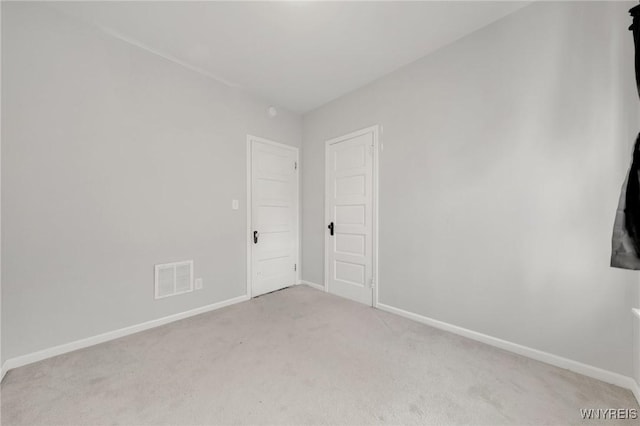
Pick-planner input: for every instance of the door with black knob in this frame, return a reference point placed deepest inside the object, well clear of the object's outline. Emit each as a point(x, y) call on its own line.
point(349, 241)
point(274, 216)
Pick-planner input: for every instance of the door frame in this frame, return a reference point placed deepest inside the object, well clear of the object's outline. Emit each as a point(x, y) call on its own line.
point(377, 132)
point(250, 140)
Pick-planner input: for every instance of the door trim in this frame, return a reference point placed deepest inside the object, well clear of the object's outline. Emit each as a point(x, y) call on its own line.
point(250, 140)
point(376, 130)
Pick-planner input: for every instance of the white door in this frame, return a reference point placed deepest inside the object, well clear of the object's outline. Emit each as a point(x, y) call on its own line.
point(350, 216)
point(274, 216)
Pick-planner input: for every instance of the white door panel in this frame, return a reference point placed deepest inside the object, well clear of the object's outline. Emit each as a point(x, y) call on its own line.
point(349, 207)
point(274, 217)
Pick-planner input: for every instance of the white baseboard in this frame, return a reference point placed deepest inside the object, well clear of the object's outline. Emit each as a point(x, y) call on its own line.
point(3, 371)
point(578, 367)
point(558, 361)
point(314, 285)
point(636, 390)
point(112, 335)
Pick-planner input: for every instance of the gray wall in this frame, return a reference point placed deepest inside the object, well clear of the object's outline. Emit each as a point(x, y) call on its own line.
point(503, 158)
point(1, 358)
point(504, 154)
point(636, 341)
point(113, 160)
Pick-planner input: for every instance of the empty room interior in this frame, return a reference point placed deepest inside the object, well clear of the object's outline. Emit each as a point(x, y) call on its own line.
point(315, 212)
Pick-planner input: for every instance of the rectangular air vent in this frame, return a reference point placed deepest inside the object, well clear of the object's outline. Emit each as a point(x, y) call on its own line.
point(173, 278)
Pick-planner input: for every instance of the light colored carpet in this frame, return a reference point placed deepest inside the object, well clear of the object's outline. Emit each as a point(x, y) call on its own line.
point(299, 356)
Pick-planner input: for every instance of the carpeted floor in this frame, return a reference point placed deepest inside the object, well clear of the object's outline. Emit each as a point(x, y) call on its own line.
point(300, 356)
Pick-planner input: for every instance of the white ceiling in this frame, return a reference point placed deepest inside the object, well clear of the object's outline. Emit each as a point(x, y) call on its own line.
point(298, 55)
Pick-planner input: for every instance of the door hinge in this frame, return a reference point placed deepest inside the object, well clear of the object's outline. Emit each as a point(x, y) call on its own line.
point(295, 165)
point(372, 282)
point(295, 267)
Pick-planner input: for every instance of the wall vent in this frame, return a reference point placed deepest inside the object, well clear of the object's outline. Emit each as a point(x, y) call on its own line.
point(173, 278)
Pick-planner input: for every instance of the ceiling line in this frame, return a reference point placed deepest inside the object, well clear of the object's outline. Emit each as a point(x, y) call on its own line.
point(140, 45)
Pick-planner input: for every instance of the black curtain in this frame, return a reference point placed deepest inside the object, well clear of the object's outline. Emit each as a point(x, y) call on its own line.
point(632, 210)
point(626, 230)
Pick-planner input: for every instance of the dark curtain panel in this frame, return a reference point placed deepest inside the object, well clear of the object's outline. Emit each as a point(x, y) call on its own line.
point(626, 230)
